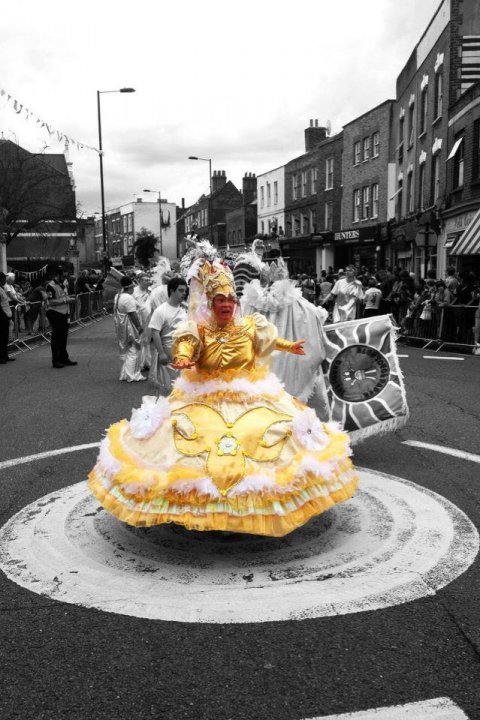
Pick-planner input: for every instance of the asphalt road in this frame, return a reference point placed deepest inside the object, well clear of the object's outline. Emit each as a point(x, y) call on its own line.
point(60, 661)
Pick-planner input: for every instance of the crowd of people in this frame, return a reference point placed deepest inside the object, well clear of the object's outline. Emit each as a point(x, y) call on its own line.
point(431, 307)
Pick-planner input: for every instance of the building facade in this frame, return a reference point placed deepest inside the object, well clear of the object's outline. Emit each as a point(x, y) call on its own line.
point(241, 223)
point(207, 217)
point(271, 202)
point(362, 238)
point(313, 202)
point(125, 222)
point(442, 67)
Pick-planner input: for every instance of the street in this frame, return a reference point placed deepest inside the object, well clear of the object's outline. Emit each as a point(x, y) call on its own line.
point(372, 605)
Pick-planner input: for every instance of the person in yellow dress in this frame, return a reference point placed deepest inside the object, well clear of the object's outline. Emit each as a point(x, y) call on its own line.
point(229, 449)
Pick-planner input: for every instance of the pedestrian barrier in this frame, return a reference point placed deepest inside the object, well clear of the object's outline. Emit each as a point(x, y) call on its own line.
point(30, 321)
point(431, 325)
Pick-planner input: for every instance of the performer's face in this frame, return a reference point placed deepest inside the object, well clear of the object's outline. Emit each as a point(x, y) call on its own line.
point(223, 308)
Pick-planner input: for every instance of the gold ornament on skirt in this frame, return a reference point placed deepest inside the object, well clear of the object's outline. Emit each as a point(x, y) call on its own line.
point(228, 444)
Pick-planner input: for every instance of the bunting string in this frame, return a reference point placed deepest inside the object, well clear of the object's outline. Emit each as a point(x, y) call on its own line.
point(20, 109)
point(41, 272)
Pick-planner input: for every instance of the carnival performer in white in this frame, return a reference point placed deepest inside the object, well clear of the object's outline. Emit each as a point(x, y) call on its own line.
point(141, 295)
point(163, 323)
point(128, 330)
point(347, 293)
point(283, 305)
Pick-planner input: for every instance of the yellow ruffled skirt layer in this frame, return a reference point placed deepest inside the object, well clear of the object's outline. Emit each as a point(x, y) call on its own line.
point(258, 463)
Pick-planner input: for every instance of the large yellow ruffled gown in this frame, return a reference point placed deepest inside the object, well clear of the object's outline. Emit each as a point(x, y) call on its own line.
point(229, 449)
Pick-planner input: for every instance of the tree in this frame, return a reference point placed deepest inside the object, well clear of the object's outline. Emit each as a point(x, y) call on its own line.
point(32, 192)
point(145, 247)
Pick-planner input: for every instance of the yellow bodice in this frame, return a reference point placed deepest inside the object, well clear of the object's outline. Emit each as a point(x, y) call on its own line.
point(233, 347)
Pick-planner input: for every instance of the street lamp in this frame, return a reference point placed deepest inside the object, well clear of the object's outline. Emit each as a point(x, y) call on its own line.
point(100, 155)
point(160, 218)
point(210, 202)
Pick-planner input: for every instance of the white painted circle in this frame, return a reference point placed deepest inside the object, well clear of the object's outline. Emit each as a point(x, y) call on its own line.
point(393, 542)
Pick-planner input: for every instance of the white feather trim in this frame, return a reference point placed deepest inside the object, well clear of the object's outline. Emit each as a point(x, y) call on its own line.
point(148, 418)
point(270, 385)
point(203, 486)
point(310, 464)
point(108, 463)
point(308, 430)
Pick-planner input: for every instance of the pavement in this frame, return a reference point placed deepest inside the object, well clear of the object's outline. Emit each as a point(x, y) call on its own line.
point(63, 660)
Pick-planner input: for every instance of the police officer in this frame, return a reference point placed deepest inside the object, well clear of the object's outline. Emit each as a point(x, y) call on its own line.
point(58, 315)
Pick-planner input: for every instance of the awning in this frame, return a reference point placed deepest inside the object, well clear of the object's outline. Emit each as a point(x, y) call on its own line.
point(469, 242)
point(454, 149)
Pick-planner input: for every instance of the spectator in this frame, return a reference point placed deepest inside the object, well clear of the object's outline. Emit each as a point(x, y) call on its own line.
point(141, 295)
point(159, 294)
point(36, 302)
point(451, 281)
point(372, 299)
point(325, 286)
point(58, 315)
point(308, 288)
point(82, 289)
point(5, 319)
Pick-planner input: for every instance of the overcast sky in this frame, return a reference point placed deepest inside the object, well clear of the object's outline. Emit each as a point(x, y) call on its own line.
point(236, 82)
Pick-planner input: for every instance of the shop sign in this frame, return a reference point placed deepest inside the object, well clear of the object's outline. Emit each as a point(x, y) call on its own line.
point(459, 222)
point(348, 235)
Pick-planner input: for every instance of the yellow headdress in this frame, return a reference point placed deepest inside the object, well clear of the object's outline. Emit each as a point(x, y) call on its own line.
point(217, 279)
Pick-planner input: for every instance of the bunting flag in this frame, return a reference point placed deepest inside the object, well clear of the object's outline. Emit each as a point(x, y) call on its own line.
point(20, 109)
point(364, 382)
point(29, 275)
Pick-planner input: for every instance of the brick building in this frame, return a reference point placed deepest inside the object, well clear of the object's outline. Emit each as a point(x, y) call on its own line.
point(313, 198)
point(207, 216)
point(241, 223)
point(362, 238)
point(440, 70)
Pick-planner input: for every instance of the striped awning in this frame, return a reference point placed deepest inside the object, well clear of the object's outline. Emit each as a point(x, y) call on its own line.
point(469, 241)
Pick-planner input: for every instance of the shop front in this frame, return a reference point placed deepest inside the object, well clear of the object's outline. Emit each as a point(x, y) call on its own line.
point(300, 254)
point(362, 247)
point(461, 247)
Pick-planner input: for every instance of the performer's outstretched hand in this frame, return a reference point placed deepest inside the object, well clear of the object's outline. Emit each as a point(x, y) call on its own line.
point(183, 364)
point(297, 348)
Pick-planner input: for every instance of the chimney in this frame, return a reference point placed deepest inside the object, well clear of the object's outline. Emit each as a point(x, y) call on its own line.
point(314, 135)
point(249, 188)
point(219, 179)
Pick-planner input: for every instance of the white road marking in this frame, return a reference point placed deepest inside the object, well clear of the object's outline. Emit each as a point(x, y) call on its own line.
point(392, 543)
point(50, 453)
point(436, 709)
point(445, 450)
point(403, 355)
point(441, 357)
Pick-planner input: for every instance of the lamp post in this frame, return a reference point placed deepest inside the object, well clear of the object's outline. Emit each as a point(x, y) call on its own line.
point(100, 155)
point(160, 218)
point(210, 201)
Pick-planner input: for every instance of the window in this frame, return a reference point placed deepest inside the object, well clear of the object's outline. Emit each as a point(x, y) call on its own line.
point(424, 110)
point(401, 130)
point(366, 148)
point(357, 153)
point(411, 123)
point(365, 202)
point(262, 196)
point(356, 205)
point(436, 177)
point(375, 200)
point(269, 194)
point(329, 216)
point(296, 224)
point(329, 174)
point(376, 144)
point(476, 151)
point(275, 192)
point(313, 220)
point(398, 209)
point(314, 179)
point(459, 164)
point(410, 192)
point(295, 186)
point(421, 186)
point(304, 184)
point(262, 227)
point(438, 94)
